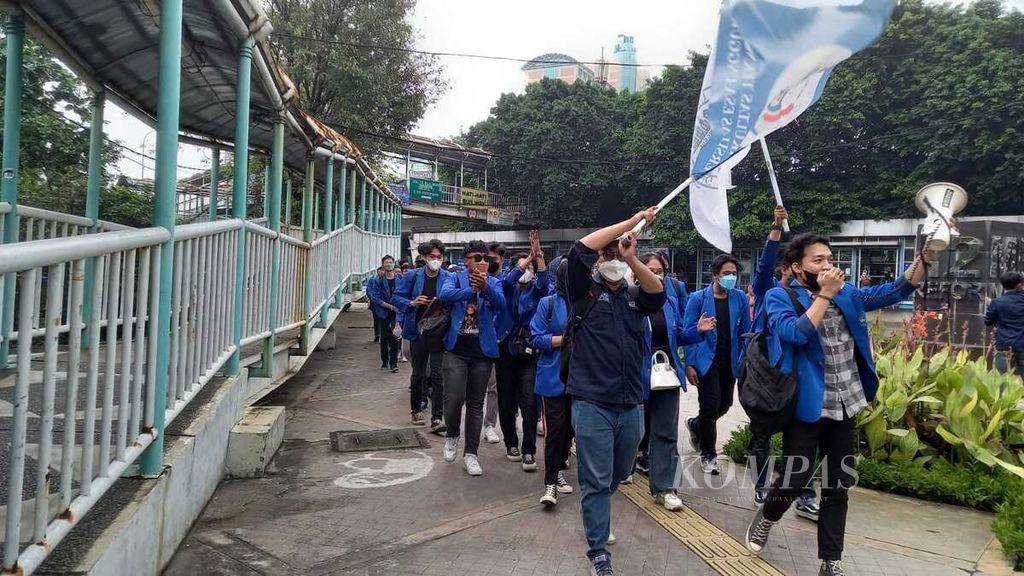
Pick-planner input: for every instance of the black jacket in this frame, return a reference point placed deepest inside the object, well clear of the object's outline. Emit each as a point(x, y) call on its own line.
point(606, 362)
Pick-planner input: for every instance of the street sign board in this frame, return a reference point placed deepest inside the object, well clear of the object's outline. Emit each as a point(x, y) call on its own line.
point(473, 197)
point(426, 190)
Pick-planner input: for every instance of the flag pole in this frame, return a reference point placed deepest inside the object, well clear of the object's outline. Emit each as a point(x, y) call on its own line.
point(775, 182)
point(664, 202)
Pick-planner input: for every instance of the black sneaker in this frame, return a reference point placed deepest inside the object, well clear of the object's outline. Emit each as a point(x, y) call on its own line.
point(807, 509)
point(437, 426)
point(757, 532)
point(760, 495)
point(643, 465)
point(831, 568)
point(529, 463)
point(513, 454)
point(691, 427)
point(394, 369)
point(417, 419)
point(550, 497)
point(601, 566)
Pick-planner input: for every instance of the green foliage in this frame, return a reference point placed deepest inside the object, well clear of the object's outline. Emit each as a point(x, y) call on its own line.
point(948, 405)
point(1009, 527)
point(739, 441)
point(354, 85)
point(977, 487)
point(56, 111)
point(938, 98)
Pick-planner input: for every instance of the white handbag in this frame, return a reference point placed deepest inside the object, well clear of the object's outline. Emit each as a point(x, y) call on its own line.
point(663, 375)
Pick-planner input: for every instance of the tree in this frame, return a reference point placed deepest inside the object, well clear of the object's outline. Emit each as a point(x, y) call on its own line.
point(56, 111)
point(938, 98)
point(355, 85)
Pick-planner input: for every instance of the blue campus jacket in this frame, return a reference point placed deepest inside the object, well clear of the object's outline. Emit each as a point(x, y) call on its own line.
point(794, 342)
point(702, 354)
point(677, 335)
point(547, 382)
point(408, 289)
point(521, 304)
point(1006, 313)
point(378, 290)
point(764, 280)
point(458, 292)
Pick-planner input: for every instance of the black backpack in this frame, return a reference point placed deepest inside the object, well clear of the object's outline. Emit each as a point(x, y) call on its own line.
point(766, 394)
point(436, 319)
point(576, 318)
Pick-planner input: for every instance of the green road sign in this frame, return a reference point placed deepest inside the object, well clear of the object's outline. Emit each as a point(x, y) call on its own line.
point(427, 190)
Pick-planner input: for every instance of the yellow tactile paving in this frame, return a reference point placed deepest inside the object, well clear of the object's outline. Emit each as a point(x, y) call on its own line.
point(724, 554)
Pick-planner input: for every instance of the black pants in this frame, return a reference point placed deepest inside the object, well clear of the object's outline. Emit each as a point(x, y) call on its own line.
point(558, 439)
point(515, 376)
point(465, 383)
point(389, 345)
point(833, 442)
point(761, 463)
point(377, 323)
point(714, 396)
point(427, 355)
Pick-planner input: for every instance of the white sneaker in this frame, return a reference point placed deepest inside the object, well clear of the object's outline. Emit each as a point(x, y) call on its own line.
point(472, 465)
point(611, 538)
point(451, 448)
point(628, 480)
point(670, 501)
point(491, 435)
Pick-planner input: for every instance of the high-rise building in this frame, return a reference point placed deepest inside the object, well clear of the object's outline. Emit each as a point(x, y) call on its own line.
point(620, 73)
point(557, 66)
point(625, 53)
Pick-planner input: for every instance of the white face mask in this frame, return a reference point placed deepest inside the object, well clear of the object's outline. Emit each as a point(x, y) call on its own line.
point(613, 270)
point(434, 265)
point(389, 266)
point(527, 277)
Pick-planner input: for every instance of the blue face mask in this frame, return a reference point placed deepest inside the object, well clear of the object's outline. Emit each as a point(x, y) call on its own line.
point(727, 282)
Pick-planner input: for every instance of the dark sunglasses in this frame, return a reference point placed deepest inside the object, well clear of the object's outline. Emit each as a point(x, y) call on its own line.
point(477, 257)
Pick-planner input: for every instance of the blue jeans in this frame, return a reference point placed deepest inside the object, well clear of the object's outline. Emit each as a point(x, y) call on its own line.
point(606, 444)
point(663, 435)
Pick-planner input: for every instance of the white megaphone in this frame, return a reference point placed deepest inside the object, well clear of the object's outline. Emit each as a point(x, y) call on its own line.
point(940, 202)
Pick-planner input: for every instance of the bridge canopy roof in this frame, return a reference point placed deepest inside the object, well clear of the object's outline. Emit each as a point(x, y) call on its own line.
point(115, 45)
point(445, 151)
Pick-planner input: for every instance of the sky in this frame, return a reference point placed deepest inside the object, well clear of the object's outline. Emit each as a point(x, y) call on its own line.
point(664, 32)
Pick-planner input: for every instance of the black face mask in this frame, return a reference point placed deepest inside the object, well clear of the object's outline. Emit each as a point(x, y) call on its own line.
point(811, 281)
point(493, 268)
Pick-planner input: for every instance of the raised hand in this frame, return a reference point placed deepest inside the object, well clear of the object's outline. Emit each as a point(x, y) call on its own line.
point(781, 215)
point(706, 324)
point(831, 281)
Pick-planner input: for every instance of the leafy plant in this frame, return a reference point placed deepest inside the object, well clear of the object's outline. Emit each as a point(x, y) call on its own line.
point(1009, 527)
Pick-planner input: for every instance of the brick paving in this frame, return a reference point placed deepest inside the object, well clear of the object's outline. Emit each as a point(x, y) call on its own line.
point(408, 512)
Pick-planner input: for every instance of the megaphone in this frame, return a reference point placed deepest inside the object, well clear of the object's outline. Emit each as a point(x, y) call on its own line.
point(940, 202)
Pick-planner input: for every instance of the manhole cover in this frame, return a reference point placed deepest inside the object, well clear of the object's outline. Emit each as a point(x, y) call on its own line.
point(378, 440)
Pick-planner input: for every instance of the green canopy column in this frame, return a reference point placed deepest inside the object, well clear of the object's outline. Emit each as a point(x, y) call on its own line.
point(307, 274)
point(92, 201)
point(339, 296)
point(239, 196)
point(328, 228)
point(274, 223)
point(164, 212)
point(214, 183)
point(13, 85)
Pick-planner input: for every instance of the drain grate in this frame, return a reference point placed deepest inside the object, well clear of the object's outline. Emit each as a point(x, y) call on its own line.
point(342, 441)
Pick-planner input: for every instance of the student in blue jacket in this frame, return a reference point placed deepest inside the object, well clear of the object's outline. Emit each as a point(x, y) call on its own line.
point(760, 441)
point(371, 288)
point(546, 329)
point(1006, 313)
point(829, 347)
point(524, 285)
point(712, 364)
point(415, 293)
point(380, 298)
point(659, 456)
point(472, 344)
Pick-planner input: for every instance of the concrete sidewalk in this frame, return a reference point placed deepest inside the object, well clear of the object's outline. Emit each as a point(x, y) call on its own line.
point(408, 512)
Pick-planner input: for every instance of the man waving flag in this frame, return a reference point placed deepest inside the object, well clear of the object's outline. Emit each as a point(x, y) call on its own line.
point(769, 64)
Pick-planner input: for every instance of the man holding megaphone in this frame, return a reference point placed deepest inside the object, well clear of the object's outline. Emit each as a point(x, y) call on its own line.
point(817, 329)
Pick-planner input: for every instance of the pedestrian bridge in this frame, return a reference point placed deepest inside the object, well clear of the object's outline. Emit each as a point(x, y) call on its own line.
point(126, 355)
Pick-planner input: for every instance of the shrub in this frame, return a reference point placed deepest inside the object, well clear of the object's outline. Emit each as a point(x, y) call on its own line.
point(1009, 527)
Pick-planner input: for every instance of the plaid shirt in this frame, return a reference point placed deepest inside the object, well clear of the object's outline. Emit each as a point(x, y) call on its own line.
point(844, 393)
